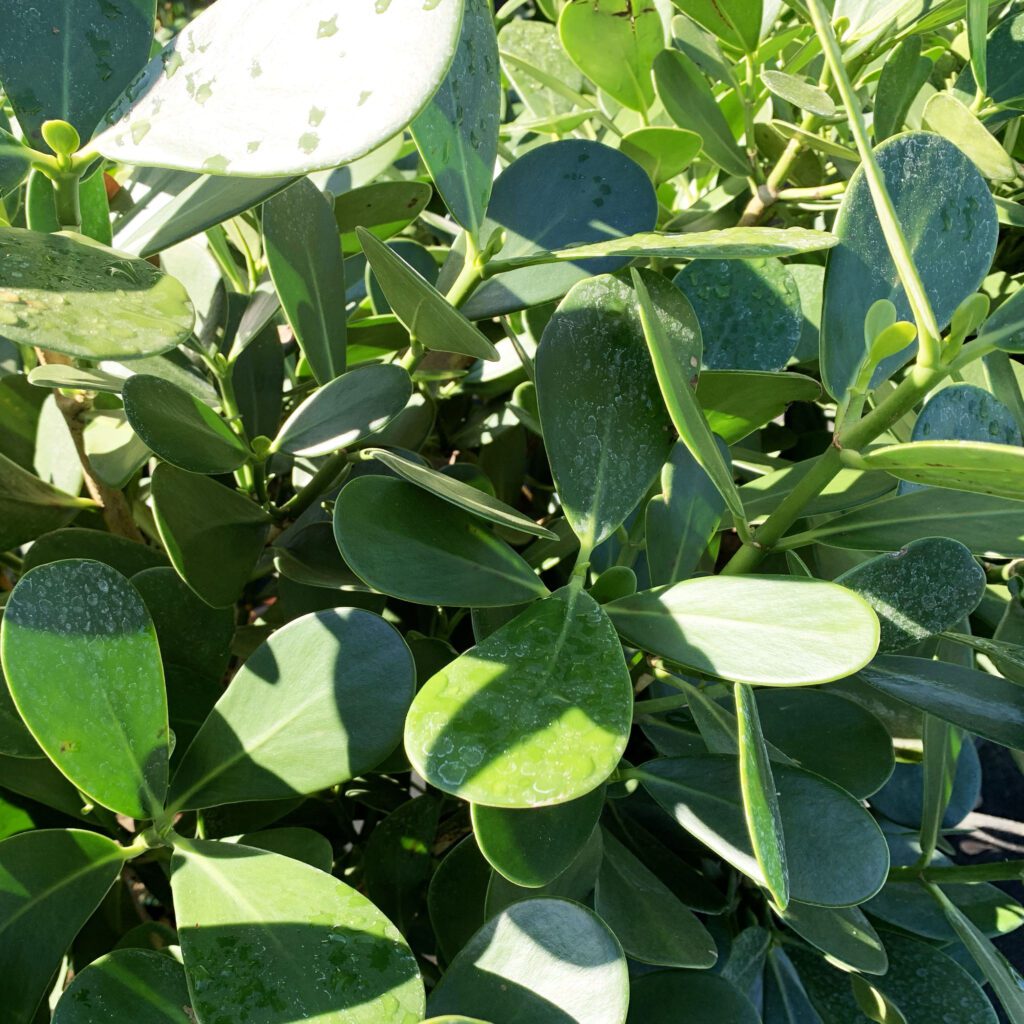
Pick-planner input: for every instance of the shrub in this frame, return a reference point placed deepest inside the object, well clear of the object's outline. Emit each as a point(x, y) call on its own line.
point(508, 517)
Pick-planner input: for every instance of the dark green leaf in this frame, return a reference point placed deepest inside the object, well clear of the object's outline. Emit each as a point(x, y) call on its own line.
point(842, 933)
point(29, 507)
point(738, 402)
point(903, 74)
point(302, 844)
point(661, 997)
point(383, 209)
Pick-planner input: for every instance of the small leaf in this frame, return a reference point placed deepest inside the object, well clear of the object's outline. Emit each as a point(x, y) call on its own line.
point(548, 961)
point(427, 315)
point(662, 152)
point(844, 934)
point(766, 630)
point(213, 535)
point(738, 23)
point(301, 241)
point(266, 938)
point(383, 208)
point(321, 701)
point(183, 110)
point(738, 402)
point(107, 733)
point(536, 714)
point(344, 412)
point(977, 38)
point(51, 881)
point(77, 297)
point(404, 541)
point(179, 428)
point(903, 74)
point(30, 507)
point(799, 92)
point(947, 116)
point(302, 844)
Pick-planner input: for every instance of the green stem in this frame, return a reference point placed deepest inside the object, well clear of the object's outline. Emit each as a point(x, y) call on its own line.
point(321, 481)
point(658, 705)
point(1001, 871)
point(65, 194)
point(229, 403)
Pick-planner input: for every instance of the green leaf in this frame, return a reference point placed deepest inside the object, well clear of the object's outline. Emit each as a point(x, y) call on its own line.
point(89, 48)
point(51, 881)
point(645, 915)
point(77, 297)
point(321, 701)
point(947, 116)
point(536, 714)
point(951, 239)
point(29, 507)
point(978, 702)
point(301, 241)
point(213, 535)
point(533, 847)
point(599, 193)
point(675, 374)
point(133, 984)
point(844, 934)
point(344, 412)
point(456, 895)
point(662, 152)
point(821, 822)
point(982, 523)
point(402, 540)
point(903, 74)
point(427, 315)
point(614, 43)
point(179, 428)
point(1005, 81)
point(924, 588)
point(785, 999)
point(705, 998)
point(738, 23)
point(689, 101)
point(457, 132)
point(760, 800)
point(738, 402)
point(1006, 324)
point(15, 739)
point(83, 621)
point(183, 111)
point(977, 38)
point(542, 961)
point(605, 453)
point(302, 844)
point(383, 208)
point(538, 67)
point(964, 412)
point(975, 466)
point(269, 940)
point(766, 630)
point(800, 92)
point(1006, 983)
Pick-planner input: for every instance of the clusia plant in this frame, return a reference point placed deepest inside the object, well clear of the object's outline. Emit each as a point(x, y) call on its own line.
point(508, 516)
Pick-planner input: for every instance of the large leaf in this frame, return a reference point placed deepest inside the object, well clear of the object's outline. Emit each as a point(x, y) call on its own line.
point(50, 883)
point(323, 700)
point(983, 704)
point(140, 985)
point(184, 111)
point(213, 534)
point(457, 132)
point(821, 823)
point(843, 933)
point(72, 295)
point(949, 219)
point(538, 713)
point(541, 961)
point(83, 665)
point(924, 588)
point(89, 48)
point(605, 452)
point(30, 507)
point(769, 630)
point(404, 541)
point(269, 940)
point(304, 258)
point(663, 996)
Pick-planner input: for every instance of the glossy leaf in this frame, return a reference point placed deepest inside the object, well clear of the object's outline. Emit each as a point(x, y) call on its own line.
point(84, 300)
point(536, 714)
point(179, 428)
point(83, 621)
point(182, 112)
point(321, 701)
point(302, 844)
point(30, 507)
point(820, 821)
point(344, 412)
point(766, 630)
point(404, 541)
point(662, 152)
point(137, 984)
point(304, 259)
point(705, 998)
point(604, 453)
point(382, 208)
point(952, 241)
point(738, 402)
point(15, 739)
point(844, 934)
point(457, 132)
point(533, 847)
point(51, 881)
point(213, 535)
point(920, 590)
point(268, 940)
point(542, 961)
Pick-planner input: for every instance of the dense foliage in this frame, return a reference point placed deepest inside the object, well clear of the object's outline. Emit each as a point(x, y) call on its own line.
point(508, 517)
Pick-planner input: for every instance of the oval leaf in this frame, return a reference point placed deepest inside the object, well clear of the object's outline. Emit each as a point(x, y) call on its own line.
point(660, 998)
